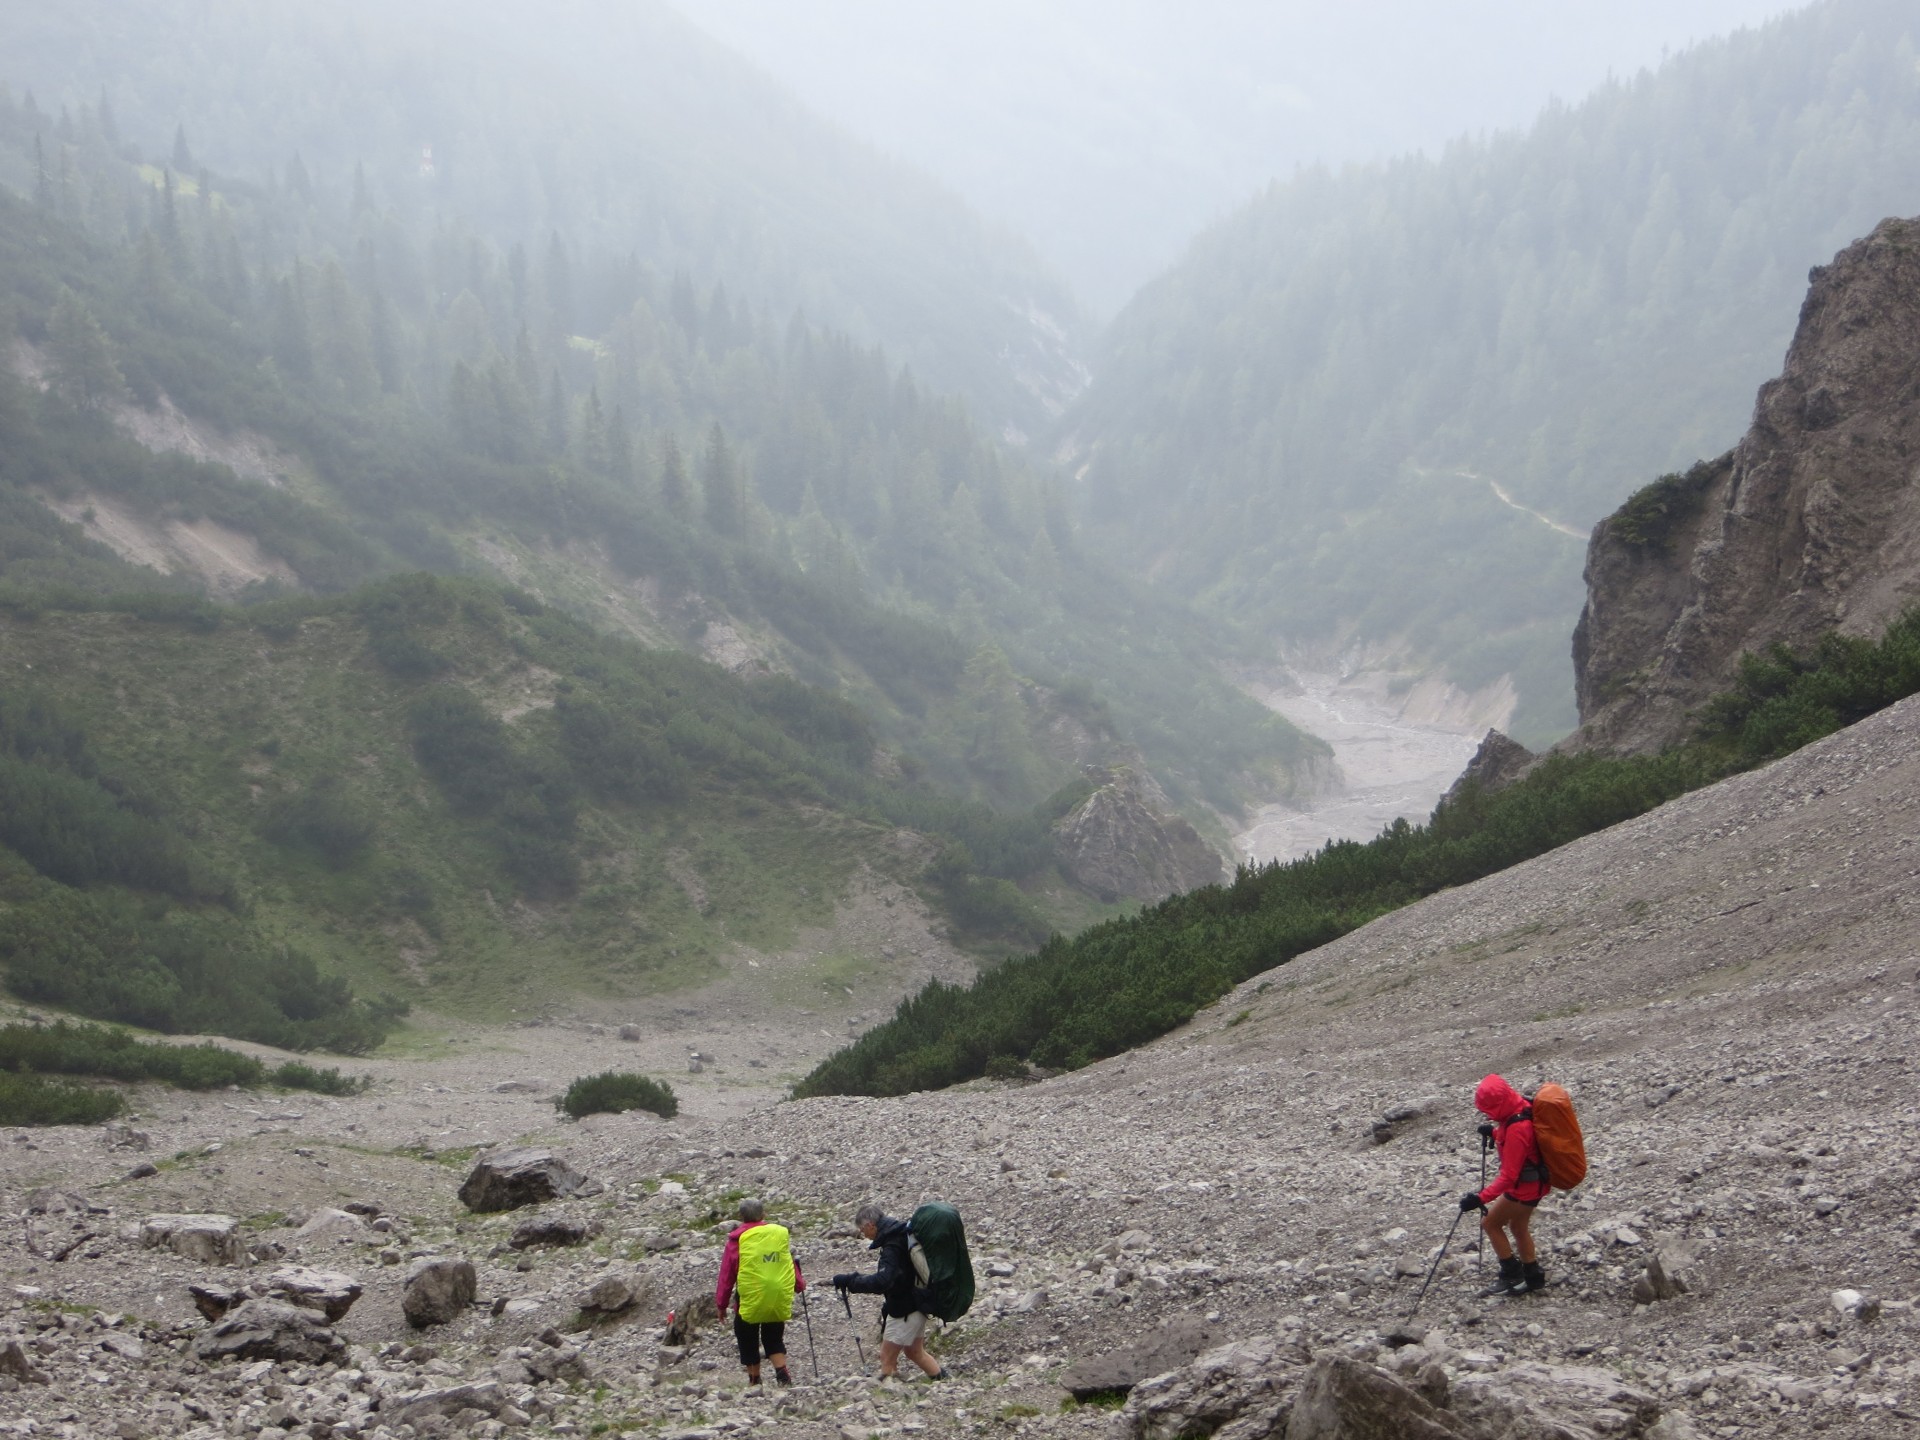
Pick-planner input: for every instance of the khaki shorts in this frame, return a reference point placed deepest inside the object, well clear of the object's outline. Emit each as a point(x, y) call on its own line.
point(904, 1330)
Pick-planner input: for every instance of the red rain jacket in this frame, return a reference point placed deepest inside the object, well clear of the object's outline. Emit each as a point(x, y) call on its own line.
point(1523, 1171)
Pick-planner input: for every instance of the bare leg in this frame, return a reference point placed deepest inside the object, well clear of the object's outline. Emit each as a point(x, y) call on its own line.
point(917, 1352)
point(889, 1358)
point(1504, 1215)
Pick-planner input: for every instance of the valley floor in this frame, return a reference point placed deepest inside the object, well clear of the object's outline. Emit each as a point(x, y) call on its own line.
point(1728, 985)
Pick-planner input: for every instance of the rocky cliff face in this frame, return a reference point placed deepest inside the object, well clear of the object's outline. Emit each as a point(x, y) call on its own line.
point(1122, 842)
point(1811, 523)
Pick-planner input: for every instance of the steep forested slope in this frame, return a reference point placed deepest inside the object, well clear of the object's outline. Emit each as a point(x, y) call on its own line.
point(616, 125)
point(657, 456)
point(1305, 421)
point(218, 818)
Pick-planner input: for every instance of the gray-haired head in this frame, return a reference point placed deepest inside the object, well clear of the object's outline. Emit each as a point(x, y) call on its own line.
point(868, 1214)
point(752, 1211)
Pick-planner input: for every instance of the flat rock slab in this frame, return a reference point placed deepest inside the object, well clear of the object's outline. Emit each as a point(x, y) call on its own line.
point(1168, 1348)
point(327, 1291)
point(551, 1230)
point(508, 1179)
point(271, 1330)
point(412, 1409)
point(210, 1239)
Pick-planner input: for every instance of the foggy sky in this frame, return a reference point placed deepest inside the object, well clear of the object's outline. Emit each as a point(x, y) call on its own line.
point(1109, 131)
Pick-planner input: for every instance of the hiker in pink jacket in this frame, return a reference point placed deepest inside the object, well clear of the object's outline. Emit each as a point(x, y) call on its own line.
point(1521, 1185)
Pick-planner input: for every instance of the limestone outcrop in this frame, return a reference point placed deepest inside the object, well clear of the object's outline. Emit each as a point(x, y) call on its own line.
point(1810, 524)
point(1122, 842)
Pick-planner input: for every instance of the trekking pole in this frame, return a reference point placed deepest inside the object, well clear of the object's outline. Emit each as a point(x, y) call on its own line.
point(1480, 1234)
point(854, 1325)
point(806, 1310)
point(1435, 1267)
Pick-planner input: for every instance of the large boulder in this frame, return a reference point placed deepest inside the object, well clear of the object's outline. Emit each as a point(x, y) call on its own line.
point(1342, 1399)
point(15, 1364)
point(271, 1330)
point(208, 1239)
point(1555, 1402)
point(1167, 1348)
point(486, 1397)
point(438, 1288)
point(327, 1291)
point(1243, 1389)
point(613, 1293)
point(508, 1179)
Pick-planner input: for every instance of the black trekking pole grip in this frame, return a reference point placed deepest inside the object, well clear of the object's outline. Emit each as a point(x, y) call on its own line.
point(1434, 1269)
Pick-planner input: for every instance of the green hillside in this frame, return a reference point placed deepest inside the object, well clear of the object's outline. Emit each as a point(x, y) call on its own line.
point(1303, 424)
point(219, 819)
point(590, 135)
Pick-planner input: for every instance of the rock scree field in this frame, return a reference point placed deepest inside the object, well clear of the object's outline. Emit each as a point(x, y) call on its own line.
point(1219, 1234)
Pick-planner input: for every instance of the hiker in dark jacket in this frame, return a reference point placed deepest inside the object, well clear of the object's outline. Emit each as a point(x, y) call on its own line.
point(905, 1327)
point(1521, 1185)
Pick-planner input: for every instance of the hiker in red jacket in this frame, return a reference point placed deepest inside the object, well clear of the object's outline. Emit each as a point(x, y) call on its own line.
point(1520, 1186)
point(760, 1324)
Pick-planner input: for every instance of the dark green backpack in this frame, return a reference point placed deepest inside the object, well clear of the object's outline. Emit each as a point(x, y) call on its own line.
point(942, 1237)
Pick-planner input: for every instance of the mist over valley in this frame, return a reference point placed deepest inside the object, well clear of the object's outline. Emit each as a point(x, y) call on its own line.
point(613, 609)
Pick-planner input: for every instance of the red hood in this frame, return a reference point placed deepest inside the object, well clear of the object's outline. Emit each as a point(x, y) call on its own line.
point(1498, 1100)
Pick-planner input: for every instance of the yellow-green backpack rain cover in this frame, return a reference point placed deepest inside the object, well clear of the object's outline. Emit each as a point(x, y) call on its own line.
point(766, 1275)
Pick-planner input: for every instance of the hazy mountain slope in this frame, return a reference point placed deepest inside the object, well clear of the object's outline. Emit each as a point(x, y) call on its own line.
point(616, 124)
point(394, 393)
point(1306, 420)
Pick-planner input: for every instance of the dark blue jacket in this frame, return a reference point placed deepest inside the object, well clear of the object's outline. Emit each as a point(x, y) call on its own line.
point(894, 1281)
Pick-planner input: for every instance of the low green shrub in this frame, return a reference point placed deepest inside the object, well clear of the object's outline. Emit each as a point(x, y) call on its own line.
point(27, 1099)
point(296, 1076)
point(67, 1049)
point(615, 1091)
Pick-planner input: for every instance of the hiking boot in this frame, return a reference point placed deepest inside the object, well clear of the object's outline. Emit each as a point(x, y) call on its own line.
point(1536, 1278)
point(1512, 1279)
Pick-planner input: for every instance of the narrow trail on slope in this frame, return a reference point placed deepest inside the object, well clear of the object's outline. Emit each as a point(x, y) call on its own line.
point(1505, 497)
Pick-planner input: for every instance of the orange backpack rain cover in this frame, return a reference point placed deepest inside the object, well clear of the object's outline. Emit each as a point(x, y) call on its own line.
point(1557, 1129)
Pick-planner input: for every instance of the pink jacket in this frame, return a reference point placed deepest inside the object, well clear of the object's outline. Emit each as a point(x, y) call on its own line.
point(730, 1269)
point(1523, 1172)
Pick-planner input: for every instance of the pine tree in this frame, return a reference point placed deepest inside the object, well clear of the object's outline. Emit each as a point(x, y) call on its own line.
point(556, 417)
point(182, 156)
point(81, 353)
point(43, 195)
point(676, 493)
point(619, 449)
point(590, 435)
point(720, 481)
